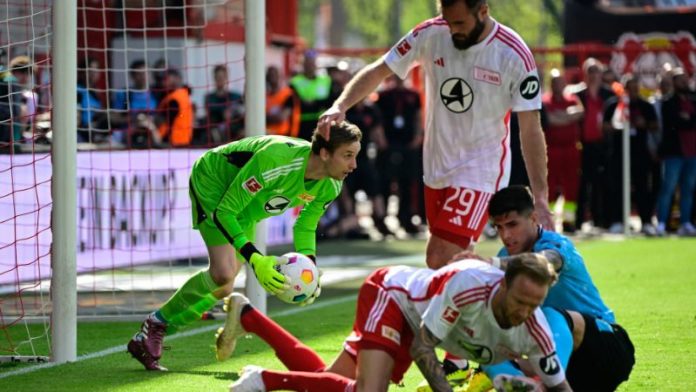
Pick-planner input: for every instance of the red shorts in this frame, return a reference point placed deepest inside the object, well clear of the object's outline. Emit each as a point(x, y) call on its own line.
point(456, 214)
point(380, 325)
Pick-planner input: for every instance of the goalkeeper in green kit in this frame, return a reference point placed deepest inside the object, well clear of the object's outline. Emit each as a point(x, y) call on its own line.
point(231, 188)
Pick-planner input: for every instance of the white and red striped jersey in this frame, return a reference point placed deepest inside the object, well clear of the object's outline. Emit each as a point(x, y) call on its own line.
point(469, 96)
point(454, 303)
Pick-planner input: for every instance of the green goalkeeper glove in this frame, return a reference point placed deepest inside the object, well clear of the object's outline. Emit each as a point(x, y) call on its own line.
point(266, 273)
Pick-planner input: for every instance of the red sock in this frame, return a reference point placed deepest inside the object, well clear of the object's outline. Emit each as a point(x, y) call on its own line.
point(306, 382)
point(293, 353)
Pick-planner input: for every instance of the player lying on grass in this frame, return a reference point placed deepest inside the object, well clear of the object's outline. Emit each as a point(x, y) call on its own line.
point(234, 186)
point(512, 213)
point(597, 355)
point(468, 308)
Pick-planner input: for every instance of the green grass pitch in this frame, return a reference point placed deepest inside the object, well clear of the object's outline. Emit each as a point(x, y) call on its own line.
point(650, 283)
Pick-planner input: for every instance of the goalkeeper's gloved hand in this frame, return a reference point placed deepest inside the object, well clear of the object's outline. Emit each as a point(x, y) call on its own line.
point(266, 273)
point(317, 292)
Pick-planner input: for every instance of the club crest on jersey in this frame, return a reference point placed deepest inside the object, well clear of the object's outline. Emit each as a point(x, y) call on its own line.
point(403, 47)
point(456, 95)
point(252, 186)
point(549, 364)
point(450, 314)
point(488, 76)
point(530, 87)
point(391, 334)
point(276, 205)
point(306, 197)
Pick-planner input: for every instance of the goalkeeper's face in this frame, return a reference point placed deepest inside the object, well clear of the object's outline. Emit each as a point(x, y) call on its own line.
point(342, 162)
point(465, 25)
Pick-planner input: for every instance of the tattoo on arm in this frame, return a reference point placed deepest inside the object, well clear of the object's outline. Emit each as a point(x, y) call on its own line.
point(423, 354)
point(554, 258)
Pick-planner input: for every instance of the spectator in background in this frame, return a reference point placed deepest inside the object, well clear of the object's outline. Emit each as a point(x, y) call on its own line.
point(92, 118)
point(224, 108)
point(134, 109)
point(282, 106)
point(313, 91)
point(642, 122)
point(592, 187)
point(678, 152)
point(175, 112)
point(399, 157)
point(20, 75)
point(366, 116)
point(159, 71)
point(563, 115)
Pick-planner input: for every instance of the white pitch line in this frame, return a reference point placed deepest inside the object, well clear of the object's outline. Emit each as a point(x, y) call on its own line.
point(122, 348)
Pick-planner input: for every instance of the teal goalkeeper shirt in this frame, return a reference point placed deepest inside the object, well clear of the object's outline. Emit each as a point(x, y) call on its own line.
point(243, 182)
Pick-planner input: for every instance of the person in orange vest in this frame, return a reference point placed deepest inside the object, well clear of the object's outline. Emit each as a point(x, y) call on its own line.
point(282, 106)
point(175, 111)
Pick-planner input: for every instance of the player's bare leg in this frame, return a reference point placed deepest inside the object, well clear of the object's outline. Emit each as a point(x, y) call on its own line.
point(223, 268)
point(439, 251)
point(344, 364)
point(374, 370)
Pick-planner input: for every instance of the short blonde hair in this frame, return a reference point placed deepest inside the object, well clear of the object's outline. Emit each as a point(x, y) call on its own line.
point(532, 265)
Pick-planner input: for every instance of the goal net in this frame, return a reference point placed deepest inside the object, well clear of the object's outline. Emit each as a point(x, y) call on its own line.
point(138, 62)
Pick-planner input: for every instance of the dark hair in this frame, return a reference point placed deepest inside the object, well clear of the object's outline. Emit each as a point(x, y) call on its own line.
point(140, 63)
point(532, 265)
point(471, 4)
point(339, 134)
point(219, 68)
point(515, 198)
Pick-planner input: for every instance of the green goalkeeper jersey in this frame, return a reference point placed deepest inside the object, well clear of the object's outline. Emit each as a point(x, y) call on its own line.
point(243, 182)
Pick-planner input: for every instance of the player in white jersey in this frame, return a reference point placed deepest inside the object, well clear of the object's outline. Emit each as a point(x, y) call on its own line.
point(476, 72)
point(469, 308)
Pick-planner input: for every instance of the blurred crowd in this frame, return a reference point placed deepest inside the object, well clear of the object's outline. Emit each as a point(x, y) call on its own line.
point(583, 123)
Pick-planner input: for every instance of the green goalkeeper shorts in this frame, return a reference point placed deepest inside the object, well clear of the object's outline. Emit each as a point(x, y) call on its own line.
point(203, 222)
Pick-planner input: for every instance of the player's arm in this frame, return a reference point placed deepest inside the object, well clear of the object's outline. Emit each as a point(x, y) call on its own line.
point(423, 354)
point(534, 152)
point(363, 83)
point(305, 228)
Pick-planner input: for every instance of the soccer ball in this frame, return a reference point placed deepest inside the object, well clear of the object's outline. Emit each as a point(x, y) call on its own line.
point(304, 278)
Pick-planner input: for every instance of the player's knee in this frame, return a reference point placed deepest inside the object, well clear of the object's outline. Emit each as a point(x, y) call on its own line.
point(223, 275)
point(371, 384)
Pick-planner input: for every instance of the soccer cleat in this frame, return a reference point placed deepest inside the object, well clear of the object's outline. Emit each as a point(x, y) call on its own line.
point(137, 349)
point(226, 337)
point(146, 345)
point(479, 382)
point(456, 376)
point(250, 380)
point(508, 383)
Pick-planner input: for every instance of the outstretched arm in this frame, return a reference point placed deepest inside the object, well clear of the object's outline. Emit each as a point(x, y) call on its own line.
point(362, 84)
point(534, 153)
point(423, 354)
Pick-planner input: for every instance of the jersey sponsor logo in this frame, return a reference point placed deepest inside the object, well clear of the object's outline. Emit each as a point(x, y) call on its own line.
point(403, 47)
point(549, 364)
point(488, 76)
point(391, 334)
point(306, 197)
point(252, 186)
point(530, 87)
point(276, 205)
point(456, 95)
point(450, 314)
point(480, 354)
point(440, 61)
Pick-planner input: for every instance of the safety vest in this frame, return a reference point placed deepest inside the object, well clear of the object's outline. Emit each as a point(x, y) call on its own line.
point(181, 129)
point(291, 125)
point(311, 90)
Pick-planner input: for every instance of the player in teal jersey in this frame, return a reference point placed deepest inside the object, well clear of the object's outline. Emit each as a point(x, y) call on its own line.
point(234, 186)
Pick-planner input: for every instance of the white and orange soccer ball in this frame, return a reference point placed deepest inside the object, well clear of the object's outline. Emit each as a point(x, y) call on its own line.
point(304, 278)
